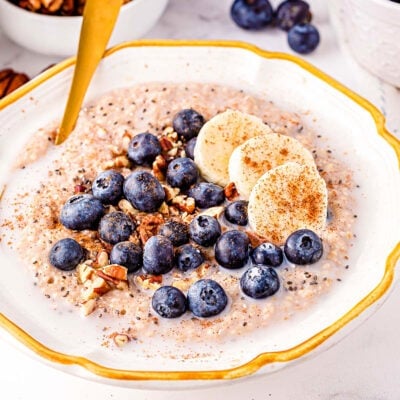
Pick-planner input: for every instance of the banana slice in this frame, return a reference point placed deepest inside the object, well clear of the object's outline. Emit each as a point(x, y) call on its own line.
point(288, 198)
point(257, 155)
point(219, 137)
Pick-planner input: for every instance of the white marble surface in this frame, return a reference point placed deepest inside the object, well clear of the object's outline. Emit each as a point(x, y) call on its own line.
point(363, 366)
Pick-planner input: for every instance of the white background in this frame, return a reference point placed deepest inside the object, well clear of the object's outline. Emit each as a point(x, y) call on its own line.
point(363, 366)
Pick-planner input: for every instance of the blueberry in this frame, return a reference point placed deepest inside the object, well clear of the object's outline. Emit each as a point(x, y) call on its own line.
point(206, 298)
point(292, 12)
point(127, 254)
point(158, 255)
point(259, 282)
point(107, 186)
point(207, 194)
point(187, 123)
point(236, 212)
point(188, 257)
point(177, 232)
point(232, 249)
point(204, 230)
point(252, 14)
point(303, 247)
point(144, 191)
point(303, 38)
point(144, 148)
point(267, 254)
point(82, 211)
point(66, 254)
point(116, 227)
point(169, 302)
point(182, 173)
point(189, 147)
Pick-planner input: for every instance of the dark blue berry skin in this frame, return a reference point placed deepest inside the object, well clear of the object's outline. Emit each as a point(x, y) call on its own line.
point(116, 227)
point(82, 211)
point(204, 230)
point(107, 187)
point(207, 195)
point(144, 191)
point(66, 254)
point(206, 298)
point(128, 255)
point(182, 173)
point(303, 247)
point(252, 14)
point(144, 148)
point(158, 255)
point(189, 148)
point(232, 249)
point(259, 282)
point(292, 12)
point(188, 257)
point(303, 38)
point(236, 212)
point(267, 254)
point(169, 302)
point(187, 123)
point(177, 232)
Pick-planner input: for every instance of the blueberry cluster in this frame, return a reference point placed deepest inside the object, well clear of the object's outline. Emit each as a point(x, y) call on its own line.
point(292, 16)
point(177, 244)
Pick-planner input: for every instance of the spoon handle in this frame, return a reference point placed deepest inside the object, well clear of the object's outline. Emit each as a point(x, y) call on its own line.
point(99, 18)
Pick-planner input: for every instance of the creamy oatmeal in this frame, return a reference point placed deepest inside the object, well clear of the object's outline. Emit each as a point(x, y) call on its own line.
point(30, 225)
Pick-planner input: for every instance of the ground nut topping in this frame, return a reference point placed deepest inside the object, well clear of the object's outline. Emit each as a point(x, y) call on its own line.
point(30, 225)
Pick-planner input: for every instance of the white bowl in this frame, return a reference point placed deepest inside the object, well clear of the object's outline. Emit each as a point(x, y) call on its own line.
point(292, 84)
point(371, 29)
point(59, 35)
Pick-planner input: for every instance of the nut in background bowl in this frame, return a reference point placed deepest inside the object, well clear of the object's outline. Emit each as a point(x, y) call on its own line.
point(59, 35)
point(371, 30)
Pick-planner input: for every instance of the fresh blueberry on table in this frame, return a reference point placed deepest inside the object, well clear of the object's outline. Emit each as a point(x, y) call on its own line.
point(232, 249)
point(206, 298)
point(177, 232)
point(207, 195)
point(144, 191)
point(204, 230)
point(189, 147)
point(236, 212)
point(144, 148)
point(303, 247)
point(259, 282)
point(188, 257)
point(116, 227)
point(252, 14)
point(107, 186)
point(292, 12)
point(82, 211)
point(182, 173)
point(158, 255)
point(303, 38)
point(169, 302)
point(66, 254)
point(267, 254)
point(187, 123)
point(127, 254)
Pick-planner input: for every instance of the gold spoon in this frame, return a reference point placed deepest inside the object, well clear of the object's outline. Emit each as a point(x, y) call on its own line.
point(99, 18)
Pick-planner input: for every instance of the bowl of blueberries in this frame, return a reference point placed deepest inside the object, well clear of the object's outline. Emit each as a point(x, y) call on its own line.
point(370, 29)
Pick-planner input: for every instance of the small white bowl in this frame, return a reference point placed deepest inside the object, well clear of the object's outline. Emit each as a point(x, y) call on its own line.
point(371, 29)
point(59, 35)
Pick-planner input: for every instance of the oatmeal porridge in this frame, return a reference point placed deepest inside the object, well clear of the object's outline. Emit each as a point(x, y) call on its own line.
point(96, 285)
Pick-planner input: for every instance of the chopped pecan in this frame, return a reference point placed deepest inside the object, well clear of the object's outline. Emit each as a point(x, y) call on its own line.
point(159, 167)
point(11, 80)
point(120, 339)
point(149, 226)
point(170, 193)
point(116, 271)
point(52, 6)
point(213, 211)
point(148, 282)
point(184, 203)
point(127, 207)
point(230, 191)
point(84, 272)
point(88, 307)
point(165, 143)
